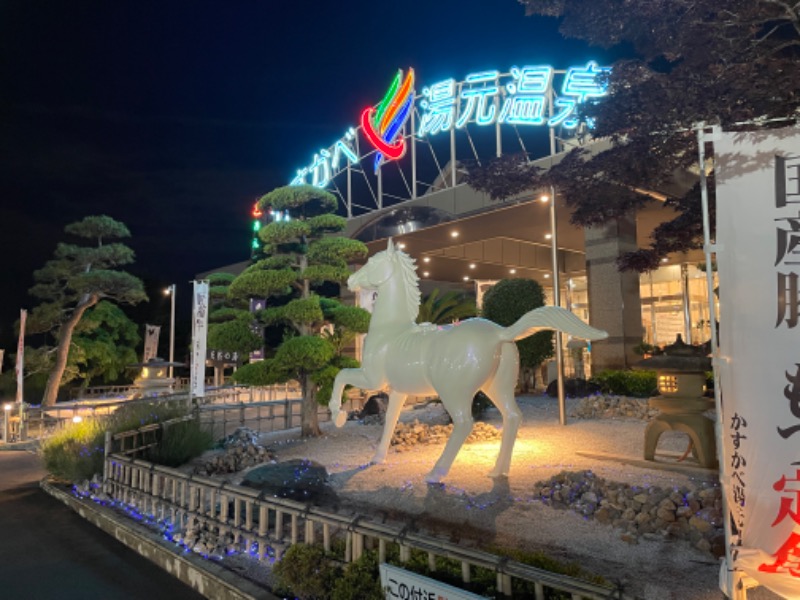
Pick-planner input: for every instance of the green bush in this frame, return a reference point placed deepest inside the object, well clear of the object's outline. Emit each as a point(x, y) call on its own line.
point(361, 579)
point(76, 453)
point(307, 572)
point(180, 443)
point(639, 384)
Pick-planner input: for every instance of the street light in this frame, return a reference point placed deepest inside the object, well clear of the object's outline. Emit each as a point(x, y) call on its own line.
point(562, 407)
point(170, 291)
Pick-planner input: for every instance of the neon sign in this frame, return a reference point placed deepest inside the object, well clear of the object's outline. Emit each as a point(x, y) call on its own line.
point(382, 125)
point(525, 96)
point(484, 99)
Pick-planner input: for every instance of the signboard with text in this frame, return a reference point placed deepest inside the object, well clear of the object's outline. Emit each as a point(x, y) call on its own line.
point(524, 96)
point(400, 584)
point(758, 259)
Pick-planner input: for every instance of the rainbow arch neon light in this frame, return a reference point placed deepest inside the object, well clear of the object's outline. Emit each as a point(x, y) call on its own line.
point(382, 124)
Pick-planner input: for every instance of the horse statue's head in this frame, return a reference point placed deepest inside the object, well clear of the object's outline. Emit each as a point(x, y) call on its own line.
point(383, 267)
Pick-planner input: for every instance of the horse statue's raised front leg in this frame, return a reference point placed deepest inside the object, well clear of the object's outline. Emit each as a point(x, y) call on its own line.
point(356, 378)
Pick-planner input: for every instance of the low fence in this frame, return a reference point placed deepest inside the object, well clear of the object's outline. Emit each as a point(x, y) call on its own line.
point(267, 526)
point(264, 409)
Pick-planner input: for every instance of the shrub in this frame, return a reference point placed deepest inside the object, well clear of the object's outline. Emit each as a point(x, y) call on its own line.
point(180, 443)
point(361, 579)
point(308, 572)
point(639, 384)
point(76, 453)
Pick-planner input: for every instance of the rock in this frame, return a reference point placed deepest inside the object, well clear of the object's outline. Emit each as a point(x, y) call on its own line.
point(297, 479)
point(703, 545)
point(666, 514)
point(375, 406)
point(700, 524)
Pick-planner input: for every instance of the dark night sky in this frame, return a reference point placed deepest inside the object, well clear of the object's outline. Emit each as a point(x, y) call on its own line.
point(174, 116)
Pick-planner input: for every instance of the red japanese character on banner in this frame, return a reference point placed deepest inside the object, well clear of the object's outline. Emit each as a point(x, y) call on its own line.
point(787, 502)
point(787, 558)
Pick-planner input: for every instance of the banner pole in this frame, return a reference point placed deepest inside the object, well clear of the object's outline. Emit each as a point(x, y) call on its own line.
point(732, 582)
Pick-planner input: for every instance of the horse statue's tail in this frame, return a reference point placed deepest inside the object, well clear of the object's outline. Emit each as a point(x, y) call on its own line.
point(551, 317)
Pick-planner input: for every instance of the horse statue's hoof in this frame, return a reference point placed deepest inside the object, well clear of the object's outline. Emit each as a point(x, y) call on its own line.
point(435, 476)
point(340, 418)
point(495, 473)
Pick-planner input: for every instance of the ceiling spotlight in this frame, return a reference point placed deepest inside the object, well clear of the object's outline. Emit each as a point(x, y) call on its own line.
point(548, 236)
point(663, 260)
point(465, 278)
point(426, 259)
point(545, 198)
point(425, 273)
point(512, 271)
point(547, 275)
point(454, 234)
point(401, 245)
point(472, 265)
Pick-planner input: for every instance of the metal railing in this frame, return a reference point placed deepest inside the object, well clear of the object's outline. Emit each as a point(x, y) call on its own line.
point(264, 409)
point(267, 526)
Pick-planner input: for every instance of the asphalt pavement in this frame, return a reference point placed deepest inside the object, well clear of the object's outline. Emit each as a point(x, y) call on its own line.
point(47, 552)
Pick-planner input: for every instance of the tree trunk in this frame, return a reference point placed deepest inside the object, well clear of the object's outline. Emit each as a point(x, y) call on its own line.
point(309, 424)
point(62, 352)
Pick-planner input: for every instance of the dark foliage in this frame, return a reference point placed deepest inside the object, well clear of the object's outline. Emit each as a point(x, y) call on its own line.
point(730, 63)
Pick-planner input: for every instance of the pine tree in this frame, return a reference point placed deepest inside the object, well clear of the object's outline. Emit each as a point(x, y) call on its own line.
point(302, 256)
point(76, 279)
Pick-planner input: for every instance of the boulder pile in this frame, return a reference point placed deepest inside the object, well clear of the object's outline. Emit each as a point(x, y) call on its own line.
point(208, 541)
point(641, 512)
point(242, 451)
point(408, 435)
point(614, 407)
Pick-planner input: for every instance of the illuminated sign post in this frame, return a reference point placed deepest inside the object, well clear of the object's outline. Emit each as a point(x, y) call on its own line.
point(525, 96)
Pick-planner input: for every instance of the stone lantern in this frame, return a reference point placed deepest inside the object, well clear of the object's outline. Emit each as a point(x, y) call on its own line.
point(153, 380)
point(681, 371)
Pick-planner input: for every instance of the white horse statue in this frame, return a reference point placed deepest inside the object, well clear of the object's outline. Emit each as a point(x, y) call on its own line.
point(453, 361)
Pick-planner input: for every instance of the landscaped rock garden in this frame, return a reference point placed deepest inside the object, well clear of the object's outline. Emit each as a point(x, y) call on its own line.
point(650, 512)
point(604, 406)
point(408, 435)
point(242, 451)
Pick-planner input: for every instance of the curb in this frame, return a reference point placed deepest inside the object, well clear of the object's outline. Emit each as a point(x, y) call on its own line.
point(205, 577)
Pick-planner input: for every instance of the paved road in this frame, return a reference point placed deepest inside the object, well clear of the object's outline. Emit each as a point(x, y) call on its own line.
point(47, 552)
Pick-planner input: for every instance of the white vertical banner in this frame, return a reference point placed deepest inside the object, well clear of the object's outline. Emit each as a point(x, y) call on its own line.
point(758, 258)
point(151, 335)
point(199, 337)
point(20, 369)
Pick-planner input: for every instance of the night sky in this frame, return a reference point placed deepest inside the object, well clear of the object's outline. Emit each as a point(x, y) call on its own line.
point(175, 116)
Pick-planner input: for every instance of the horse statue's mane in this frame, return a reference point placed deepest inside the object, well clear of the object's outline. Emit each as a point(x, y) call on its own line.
point(411, 281)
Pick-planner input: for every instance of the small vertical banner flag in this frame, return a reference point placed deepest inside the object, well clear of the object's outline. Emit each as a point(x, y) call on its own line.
point(23, 316)
point(152, 333)
point(257, 304)
point(758, 258)
point(199, 338)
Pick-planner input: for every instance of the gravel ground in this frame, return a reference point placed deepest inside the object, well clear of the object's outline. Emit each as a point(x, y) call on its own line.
point(473, 509)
